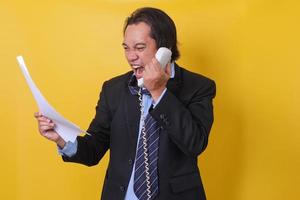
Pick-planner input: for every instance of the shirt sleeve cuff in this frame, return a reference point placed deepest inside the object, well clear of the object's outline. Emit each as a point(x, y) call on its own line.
point(69, 149)
point(161, 96)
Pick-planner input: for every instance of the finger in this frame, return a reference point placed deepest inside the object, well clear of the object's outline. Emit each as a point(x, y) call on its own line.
point(156, 65)
point(46, 124)
point(147, 69)
point(161, 69)
point(46, 134)
point(37, 114)
point(46, 128)
point(44, 119)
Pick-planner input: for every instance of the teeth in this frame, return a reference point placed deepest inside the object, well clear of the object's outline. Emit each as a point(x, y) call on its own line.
point(136, 66)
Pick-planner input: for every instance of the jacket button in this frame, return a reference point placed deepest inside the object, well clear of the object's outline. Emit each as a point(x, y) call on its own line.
point(130, 162)
point(167, 122)
point(122, 188)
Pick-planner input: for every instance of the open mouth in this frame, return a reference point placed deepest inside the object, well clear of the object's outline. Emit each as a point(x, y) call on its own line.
point(138, 71)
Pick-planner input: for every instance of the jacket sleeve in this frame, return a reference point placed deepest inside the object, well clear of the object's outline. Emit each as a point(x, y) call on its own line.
point(187, 124)
point(92, 148)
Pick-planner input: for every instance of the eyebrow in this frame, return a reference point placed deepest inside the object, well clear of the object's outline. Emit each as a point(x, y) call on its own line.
point(137, 44)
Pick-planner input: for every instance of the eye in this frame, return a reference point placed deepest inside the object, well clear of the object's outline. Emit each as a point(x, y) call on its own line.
point(140, 48)
point(125, 48)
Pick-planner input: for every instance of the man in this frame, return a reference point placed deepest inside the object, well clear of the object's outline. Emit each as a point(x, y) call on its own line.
point(154, 134)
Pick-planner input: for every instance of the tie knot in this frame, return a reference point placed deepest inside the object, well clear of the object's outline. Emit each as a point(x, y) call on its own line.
point(134, 89)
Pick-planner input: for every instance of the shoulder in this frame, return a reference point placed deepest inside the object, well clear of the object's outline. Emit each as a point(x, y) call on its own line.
point(197, 82)
point(193, 77)
point(116, 84)
point(118, 80)
point(113, 91)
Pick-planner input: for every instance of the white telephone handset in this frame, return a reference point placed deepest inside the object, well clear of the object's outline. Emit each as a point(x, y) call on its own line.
point(163, 55)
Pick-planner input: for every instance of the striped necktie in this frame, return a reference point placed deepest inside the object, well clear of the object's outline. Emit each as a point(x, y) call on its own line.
point(145, 172)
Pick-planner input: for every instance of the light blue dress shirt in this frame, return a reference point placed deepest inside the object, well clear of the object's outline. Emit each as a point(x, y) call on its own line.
point(70, 148)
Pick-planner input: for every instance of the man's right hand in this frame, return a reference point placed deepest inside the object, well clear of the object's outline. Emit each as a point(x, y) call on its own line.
point(46, 129)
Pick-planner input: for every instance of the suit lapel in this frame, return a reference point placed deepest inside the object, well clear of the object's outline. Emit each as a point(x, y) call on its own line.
point(132, 116)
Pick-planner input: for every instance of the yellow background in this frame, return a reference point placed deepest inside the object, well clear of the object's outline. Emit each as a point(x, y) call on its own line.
point(250, 48)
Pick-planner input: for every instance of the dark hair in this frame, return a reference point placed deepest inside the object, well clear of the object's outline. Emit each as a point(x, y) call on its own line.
point(163, 29)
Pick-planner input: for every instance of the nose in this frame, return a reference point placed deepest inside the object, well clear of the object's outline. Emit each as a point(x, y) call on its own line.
point(131, 56)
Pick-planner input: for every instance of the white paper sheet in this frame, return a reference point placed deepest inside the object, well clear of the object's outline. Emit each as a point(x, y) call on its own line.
point(66, 129)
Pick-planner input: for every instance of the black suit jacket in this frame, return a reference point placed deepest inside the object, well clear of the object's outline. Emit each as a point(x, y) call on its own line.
point(185, 115)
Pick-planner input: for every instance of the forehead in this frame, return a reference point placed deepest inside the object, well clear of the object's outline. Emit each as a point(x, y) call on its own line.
point(137, 33)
